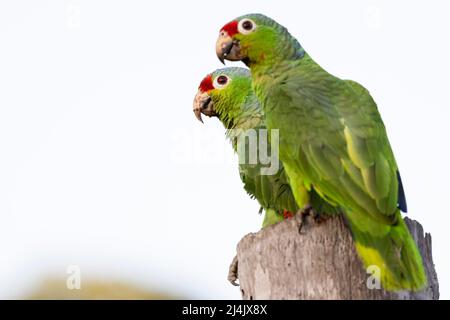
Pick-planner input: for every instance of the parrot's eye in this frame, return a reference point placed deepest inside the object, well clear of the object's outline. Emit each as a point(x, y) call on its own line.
point(220, 82)
point(246, 26)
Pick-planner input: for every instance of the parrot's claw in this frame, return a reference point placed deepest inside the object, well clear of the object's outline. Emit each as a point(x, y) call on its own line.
point(300, 220)
point(233, 272)
point(301, 214)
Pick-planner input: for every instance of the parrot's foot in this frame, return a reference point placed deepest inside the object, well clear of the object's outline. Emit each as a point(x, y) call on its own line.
point(319, 218)
point(233, 272)
point(301, 214)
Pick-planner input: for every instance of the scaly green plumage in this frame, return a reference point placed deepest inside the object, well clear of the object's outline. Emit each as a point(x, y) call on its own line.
point(332, 138)
point(238, 109)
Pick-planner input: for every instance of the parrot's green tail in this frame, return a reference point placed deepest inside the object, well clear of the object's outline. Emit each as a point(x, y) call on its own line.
point(393, 250)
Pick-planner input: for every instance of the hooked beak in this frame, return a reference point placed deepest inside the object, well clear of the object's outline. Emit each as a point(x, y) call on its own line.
point(203, 104)
point(228, 48)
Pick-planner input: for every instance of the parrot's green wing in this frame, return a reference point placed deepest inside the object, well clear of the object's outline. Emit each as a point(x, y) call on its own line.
point(341, 142)
point(271, 191)
point(239, 110)
point(274, 192)
point(333, 137)
point(373, 178)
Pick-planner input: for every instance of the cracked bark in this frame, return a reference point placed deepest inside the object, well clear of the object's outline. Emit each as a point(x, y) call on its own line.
point(321, 263)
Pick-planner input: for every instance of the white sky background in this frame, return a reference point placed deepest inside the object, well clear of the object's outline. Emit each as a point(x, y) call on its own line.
point(103, 164)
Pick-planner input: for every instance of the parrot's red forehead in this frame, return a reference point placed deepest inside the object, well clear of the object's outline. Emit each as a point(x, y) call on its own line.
point(231, 28)
point(206, 84)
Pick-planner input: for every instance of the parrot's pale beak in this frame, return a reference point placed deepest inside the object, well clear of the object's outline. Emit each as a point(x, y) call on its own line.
point(227, 48)
point(203, 104)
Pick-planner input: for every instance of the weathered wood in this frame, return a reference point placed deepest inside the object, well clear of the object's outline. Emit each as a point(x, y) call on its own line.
point(320, 263)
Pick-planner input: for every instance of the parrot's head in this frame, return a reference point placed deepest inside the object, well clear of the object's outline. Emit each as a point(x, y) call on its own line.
point(223, 94)
point(256, 39)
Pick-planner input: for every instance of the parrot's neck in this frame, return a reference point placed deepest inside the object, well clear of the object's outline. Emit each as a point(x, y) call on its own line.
point(275, 55)
point(249, 116)
point(278, 66)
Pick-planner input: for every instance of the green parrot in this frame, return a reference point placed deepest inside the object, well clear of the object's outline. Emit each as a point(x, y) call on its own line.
point(227, 94)
point(332, 139)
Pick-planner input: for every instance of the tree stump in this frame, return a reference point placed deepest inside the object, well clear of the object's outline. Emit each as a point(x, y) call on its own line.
point(320, 263)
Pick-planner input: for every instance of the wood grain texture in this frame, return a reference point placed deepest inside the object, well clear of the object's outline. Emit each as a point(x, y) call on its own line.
point(320, 263)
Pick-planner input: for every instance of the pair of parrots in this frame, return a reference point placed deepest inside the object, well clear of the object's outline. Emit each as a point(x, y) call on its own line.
point(334, 152)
